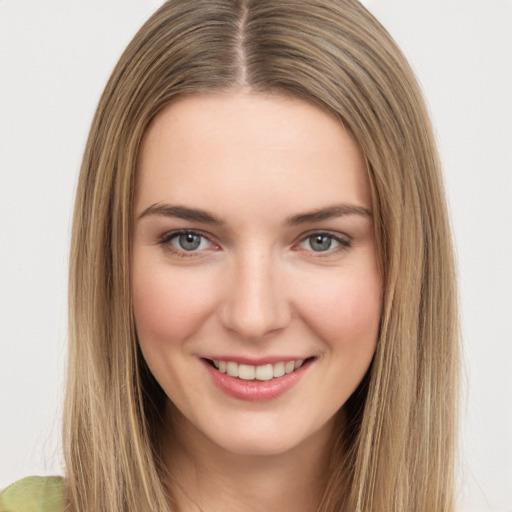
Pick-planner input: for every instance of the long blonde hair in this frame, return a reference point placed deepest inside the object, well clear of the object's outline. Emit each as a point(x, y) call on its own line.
point(397, 451)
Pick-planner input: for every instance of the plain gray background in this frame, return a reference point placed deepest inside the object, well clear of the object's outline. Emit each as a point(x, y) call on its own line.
point(56, 56)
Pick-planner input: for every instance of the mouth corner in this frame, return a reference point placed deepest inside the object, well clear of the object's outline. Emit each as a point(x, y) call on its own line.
point(209, 361)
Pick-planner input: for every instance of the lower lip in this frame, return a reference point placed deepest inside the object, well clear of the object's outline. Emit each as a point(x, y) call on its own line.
point(256, 390)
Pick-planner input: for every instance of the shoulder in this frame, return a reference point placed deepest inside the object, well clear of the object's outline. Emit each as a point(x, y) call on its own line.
point(34, 494)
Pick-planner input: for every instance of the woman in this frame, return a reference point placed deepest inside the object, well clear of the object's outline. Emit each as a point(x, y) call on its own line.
point(260, 188)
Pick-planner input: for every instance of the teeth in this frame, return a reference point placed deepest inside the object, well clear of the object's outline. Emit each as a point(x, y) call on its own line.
point(232, 369)
point(289, 366)
point(279, 369)
point(246, 371)
point(263, 372)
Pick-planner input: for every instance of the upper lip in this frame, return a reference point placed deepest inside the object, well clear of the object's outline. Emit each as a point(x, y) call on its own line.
point(256, 361)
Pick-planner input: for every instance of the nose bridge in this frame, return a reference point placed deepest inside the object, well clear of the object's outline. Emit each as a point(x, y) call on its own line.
point(256, 302)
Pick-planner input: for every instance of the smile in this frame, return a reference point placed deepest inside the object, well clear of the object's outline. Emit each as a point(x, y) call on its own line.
point(259, 382)
point(263, 372)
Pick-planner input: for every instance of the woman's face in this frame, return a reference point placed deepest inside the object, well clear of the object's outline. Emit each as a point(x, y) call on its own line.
point(256, 290)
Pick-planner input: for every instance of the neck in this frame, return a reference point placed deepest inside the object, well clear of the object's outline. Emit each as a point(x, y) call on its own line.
point(205, 477)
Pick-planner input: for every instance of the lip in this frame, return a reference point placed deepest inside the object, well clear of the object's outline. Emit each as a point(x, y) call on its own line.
point(254, 361)
point(256, 390)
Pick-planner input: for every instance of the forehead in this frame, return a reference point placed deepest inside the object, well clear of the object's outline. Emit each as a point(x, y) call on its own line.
point(214, 147)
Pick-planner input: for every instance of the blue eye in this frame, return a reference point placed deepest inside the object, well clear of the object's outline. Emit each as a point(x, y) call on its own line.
point(187, 241)
point(324, 242)
point(183, 242)
point(320, 242)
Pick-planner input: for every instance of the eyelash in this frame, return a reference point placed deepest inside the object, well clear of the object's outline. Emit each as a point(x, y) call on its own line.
point(165, 241)
point(344, 243)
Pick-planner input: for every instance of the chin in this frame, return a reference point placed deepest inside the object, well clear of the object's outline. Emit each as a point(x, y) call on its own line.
point(268, 439)
point(259, 447)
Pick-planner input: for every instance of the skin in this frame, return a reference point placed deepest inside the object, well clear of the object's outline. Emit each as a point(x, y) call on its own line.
point(255, 287)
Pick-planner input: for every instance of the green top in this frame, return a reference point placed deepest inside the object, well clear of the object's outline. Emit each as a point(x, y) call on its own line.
point(34, 494)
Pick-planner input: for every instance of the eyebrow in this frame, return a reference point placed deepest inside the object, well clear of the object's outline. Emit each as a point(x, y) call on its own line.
point(181, 212)
point(328, 213)
point(198, 215)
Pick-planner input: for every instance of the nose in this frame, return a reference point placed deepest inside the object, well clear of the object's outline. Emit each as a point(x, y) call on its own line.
point(256, 302)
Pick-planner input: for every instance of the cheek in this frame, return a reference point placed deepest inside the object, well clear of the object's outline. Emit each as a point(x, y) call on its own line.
point(169, 305)
point(345, 313)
